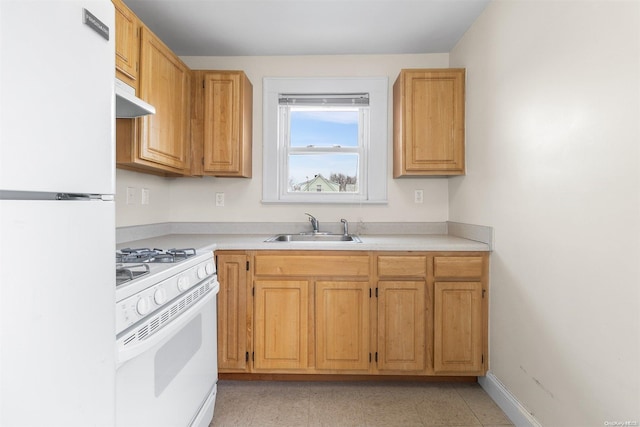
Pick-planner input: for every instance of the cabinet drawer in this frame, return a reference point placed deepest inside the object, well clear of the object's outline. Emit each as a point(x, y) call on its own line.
point(311, 265)
point(458, 267)
point(398, 266)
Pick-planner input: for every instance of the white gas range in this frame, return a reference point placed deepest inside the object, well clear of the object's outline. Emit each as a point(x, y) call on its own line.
point(166, 337)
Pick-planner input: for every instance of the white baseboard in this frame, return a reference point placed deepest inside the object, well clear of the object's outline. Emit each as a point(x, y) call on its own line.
point(512, 408)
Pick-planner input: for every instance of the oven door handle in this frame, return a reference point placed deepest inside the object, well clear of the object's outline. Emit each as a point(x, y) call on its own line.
point(123, 355)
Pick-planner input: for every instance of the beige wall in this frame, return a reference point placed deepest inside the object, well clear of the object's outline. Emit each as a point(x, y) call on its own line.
point(193, 199)
point(553, 165)
point(158, 209)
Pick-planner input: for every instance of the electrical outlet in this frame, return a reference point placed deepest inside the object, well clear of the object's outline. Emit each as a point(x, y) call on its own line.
point(144, 196)
point(131, 195)
point(219, 199)
point(362, 227)
point(418, 196)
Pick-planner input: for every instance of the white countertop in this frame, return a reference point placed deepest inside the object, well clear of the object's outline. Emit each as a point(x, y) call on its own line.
point(381, 242)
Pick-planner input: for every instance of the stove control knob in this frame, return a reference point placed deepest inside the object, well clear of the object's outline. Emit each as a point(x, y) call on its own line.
point(201, 273)
point(183, 283)
point(160, 296)
point(142, 306)
point(209, 268)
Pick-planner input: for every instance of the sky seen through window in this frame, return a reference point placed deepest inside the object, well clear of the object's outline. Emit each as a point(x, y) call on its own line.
point(321, 129)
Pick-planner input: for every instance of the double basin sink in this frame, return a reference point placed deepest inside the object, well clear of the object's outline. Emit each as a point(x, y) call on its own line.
point(315, 237)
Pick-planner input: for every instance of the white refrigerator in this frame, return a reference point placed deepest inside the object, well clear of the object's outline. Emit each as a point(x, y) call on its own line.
point(57, 213)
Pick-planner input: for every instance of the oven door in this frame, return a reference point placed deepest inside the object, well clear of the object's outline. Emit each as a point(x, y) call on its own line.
point(172, 380)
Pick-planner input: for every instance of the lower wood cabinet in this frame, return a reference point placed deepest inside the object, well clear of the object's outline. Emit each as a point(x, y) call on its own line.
point(351, 313)
point(234, 320)
point(342, 325)
point(281, 325)
point(458, 331)
point(402, 321)
point(460, 314)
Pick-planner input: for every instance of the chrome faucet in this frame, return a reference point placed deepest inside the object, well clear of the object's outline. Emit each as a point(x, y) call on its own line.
point(314, 223)
point(345, 226)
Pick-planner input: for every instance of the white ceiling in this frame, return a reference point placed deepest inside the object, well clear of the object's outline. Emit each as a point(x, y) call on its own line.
point(307, 27)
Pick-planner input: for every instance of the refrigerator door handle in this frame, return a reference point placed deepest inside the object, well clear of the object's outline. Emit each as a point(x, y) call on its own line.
point(43, 195)
point(87, 197)
point(71, 196)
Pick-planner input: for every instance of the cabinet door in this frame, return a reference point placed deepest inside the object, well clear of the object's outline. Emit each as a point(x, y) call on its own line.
point(342, 325)
point(233, 320)
point(401, 325)
point(127, 43)
point(458, 331)
point(228, 106)
point(429, 123)
point(281, 324)
point(164, 83)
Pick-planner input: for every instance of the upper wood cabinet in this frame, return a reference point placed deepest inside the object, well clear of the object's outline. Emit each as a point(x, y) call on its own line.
point(165, 83)
point(222, 113)
point(158, 143)
point(127, 44)
point(428, 122)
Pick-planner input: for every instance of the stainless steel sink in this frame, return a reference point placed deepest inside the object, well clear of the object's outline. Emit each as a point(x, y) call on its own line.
point(314, 237)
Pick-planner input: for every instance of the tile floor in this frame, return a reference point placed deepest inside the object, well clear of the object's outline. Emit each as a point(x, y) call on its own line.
point(296, 404)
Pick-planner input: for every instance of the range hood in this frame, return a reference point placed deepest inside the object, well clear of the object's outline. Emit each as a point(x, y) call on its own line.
point(128, 105)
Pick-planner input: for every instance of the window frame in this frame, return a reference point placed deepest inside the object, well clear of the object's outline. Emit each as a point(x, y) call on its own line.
point(373, 184)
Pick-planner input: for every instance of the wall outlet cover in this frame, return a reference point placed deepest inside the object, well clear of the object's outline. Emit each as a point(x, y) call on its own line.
point(219, 199)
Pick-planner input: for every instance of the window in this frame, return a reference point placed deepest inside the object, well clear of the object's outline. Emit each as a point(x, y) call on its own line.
point(325, 140)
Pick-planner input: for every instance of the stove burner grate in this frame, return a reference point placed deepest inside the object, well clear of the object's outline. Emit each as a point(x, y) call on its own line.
point(127, 273)
point(147, 255)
